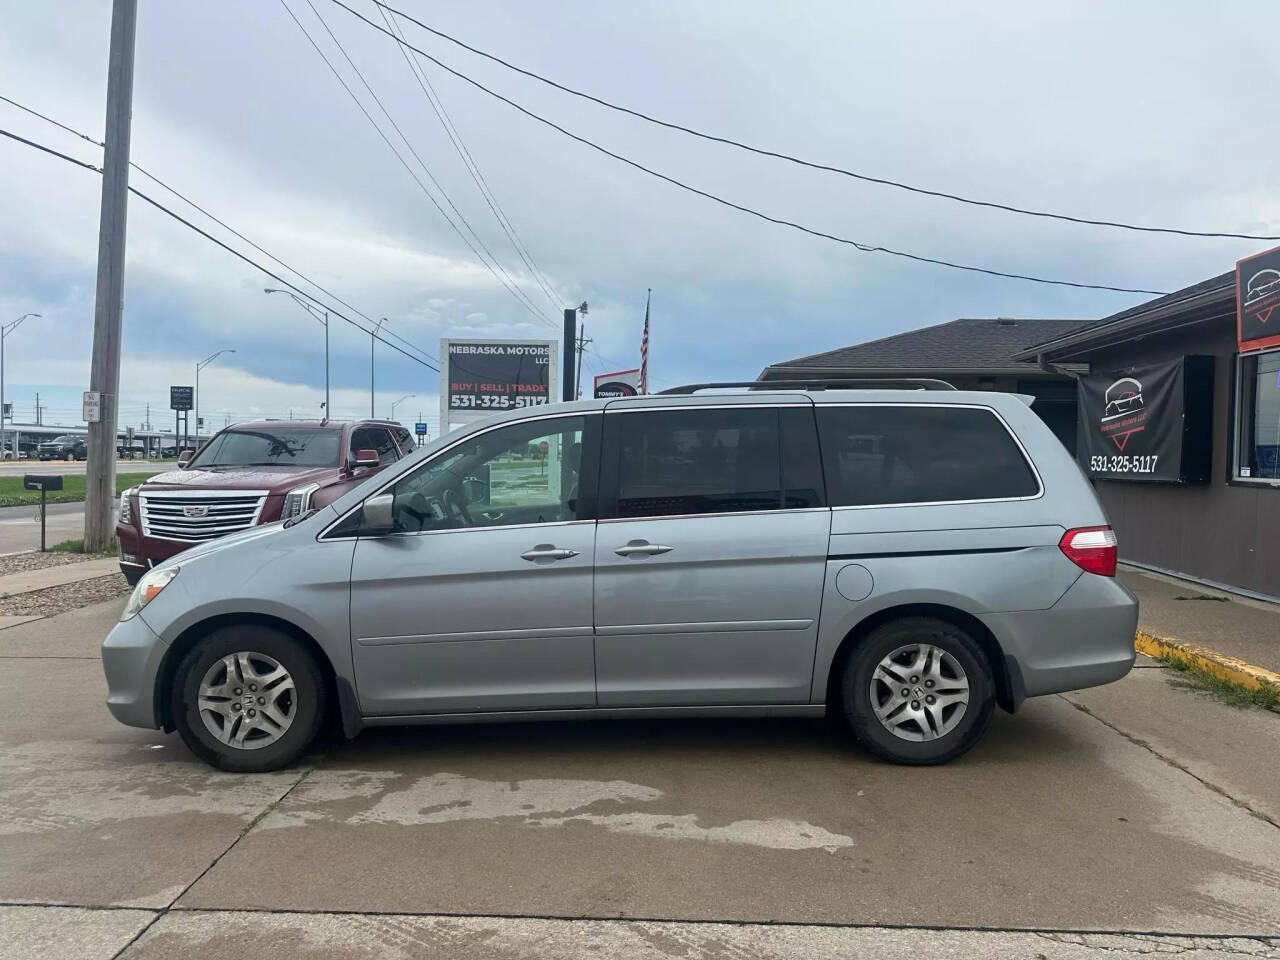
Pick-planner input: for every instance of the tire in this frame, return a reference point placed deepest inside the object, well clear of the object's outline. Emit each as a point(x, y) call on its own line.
point(926, 735)
point(259, 751)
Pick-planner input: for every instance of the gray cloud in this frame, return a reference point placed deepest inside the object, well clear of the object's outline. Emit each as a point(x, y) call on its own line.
point(1107, 111)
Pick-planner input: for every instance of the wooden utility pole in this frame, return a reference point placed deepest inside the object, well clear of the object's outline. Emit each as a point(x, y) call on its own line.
point(104, 370)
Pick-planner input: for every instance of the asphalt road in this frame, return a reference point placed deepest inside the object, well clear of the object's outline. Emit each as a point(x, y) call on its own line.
point(9, 468)
point(1077, 828)
point(20, 526)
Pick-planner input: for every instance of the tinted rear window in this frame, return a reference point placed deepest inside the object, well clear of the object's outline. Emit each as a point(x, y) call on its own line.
point(906, 454)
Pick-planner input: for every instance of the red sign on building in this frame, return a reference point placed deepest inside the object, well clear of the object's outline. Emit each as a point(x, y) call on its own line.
point(1258, 300)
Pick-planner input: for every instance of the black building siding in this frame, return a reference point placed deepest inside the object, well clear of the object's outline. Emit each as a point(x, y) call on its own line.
point(1221, 532)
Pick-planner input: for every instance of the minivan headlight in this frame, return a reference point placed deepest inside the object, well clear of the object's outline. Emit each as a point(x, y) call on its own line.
point(148, 588)
point(126, 512)
point(298, 501)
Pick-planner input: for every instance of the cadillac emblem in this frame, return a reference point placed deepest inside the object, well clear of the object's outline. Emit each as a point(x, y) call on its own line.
point(195, 512)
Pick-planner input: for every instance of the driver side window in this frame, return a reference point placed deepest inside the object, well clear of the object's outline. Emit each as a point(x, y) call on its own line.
point(522, 473)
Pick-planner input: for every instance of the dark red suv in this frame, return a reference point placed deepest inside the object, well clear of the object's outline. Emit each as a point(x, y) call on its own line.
point(248, 474)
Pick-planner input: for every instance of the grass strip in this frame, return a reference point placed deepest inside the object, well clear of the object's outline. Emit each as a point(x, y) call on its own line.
point(13, 495)
point(1192, 676)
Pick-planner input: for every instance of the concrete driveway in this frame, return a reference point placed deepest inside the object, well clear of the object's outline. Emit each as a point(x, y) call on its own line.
point(1076, 826)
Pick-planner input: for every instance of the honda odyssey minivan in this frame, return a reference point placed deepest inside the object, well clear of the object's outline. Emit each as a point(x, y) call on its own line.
point(905, 559)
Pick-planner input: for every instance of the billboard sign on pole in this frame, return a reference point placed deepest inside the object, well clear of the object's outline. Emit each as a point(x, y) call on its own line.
point(480, 377)
point(622, 383)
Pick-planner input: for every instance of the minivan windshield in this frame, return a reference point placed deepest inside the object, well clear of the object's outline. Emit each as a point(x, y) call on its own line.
point(276, 446)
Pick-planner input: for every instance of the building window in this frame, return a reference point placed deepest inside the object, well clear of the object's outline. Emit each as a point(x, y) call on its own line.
point(1258, 416)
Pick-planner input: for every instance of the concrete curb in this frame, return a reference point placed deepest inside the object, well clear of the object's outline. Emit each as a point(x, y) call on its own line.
point(1211, 661)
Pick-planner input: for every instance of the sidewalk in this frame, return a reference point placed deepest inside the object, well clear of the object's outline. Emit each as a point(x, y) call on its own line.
point(1248, 630)
point(29, 581)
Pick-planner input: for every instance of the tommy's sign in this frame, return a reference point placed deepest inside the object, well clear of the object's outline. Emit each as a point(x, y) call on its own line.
point(1258, 300)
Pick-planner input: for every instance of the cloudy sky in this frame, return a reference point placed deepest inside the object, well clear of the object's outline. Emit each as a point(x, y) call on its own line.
point(1104, 110)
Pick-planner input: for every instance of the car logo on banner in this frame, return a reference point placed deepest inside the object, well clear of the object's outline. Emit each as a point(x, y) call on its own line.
point(1123, 414)
point(196, 512)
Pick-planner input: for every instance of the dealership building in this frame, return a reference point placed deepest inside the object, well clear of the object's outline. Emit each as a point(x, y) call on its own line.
point(972, 353)
point(1171, 407)
point(1179, 426)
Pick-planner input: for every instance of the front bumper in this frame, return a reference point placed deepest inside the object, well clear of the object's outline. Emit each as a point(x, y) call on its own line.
point(138, 554)
point(131, 658)
point(1084, 640)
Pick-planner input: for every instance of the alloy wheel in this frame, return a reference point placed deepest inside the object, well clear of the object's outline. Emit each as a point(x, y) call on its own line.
point(919, 692)
point(247, 700)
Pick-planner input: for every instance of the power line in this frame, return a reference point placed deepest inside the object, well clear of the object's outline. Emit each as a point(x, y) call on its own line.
point(511, 288)
point(468, 161)
point(226, 226)
point(864, 247)
point(234, 252)
point(813, 165)
point(513, 285)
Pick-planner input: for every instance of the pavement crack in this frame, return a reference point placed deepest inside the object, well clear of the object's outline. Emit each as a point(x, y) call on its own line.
point(269, 808)
point(1141, 944)
point(1177, 765)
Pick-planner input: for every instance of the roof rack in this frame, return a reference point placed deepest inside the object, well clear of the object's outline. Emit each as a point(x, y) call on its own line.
point(900, 383)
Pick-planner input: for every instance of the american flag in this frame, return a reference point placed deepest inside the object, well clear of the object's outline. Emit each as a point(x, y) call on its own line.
point(644, 347)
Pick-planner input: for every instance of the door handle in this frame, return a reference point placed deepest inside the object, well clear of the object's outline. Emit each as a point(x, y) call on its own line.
point(547, 553)
point(642, 548)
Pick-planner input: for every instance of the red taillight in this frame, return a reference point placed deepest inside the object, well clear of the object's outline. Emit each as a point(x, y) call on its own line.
point(1091, 548)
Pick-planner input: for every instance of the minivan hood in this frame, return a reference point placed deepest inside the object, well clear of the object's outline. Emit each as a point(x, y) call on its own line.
point(210, 547)
point(273, 479)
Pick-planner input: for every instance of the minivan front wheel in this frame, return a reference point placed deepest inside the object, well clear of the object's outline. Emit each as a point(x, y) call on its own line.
point(918, 691)
point(248, 698)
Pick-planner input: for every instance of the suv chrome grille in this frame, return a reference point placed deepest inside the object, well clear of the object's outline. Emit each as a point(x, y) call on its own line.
point(194, 517)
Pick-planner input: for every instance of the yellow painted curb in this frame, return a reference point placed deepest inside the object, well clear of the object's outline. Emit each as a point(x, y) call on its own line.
point(1219, 664)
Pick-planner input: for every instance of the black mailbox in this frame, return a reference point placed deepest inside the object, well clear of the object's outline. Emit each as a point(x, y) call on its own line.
point(42, 481)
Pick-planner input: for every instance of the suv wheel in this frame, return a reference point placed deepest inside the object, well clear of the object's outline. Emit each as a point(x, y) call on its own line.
point(248, 698)
point(918, 691)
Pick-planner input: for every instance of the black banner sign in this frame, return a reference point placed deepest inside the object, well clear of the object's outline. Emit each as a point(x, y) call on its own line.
point(1258, 300)
point(498, 376)
point(1131, 423)
point(181, 398)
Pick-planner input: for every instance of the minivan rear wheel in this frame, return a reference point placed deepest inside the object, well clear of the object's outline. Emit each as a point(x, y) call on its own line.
point(248, 698)
point(918, 691)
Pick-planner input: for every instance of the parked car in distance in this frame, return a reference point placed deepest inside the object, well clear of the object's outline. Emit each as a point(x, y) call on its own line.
point(27, 448)
point(66, 447)
point(173, 452)
point(905, 559)
point(246, 475)
point(130, 451)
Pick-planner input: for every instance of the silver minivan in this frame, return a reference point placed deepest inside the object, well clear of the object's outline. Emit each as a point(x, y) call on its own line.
point(906, 559)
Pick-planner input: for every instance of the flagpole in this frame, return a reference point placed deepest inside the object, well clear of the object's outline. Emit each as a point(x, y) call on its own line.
point(644, 346)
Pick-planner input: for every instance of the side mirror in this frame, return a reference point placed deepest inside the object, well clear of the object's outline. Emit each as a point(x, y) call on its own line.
point(377, 514)
point(365, 458)
point(184, 458)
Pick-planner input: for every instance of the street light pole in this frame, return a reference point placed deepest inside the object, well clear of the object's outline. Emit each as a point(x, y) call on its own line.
point(200, 366)
point(373, 339)
point(5, 330)
point(322, 317)
point(397, 403)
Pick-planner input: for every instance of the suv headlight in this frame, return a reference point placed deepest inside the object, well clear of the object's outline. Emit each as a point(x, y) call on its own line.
point(126, 511)
point(148, 588)
point(298, 501)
